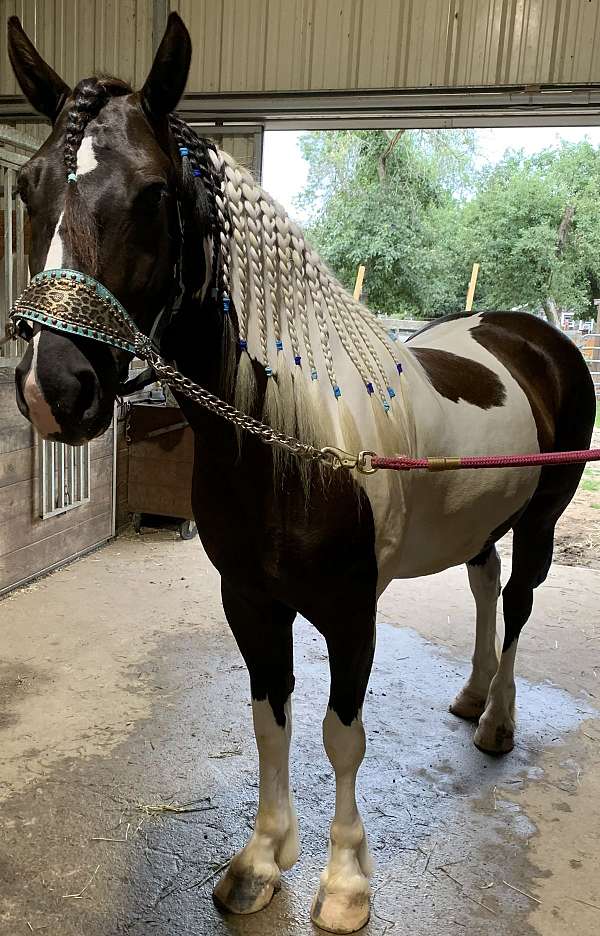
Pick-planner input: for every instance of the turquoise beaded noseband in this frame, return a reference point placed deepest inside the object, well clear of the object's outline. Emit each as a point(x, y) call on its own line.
point(72, 302)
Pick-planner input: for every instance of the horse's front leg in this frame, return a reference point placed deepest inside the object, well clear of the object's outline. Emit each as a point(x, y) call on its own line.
point(263, 631)
point(342, 902)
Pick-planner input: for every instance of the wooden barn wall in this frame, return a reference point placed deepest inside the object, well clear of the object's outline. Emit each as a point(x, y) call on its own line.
point(122, 515)
point(282, 45)
point(28, 544)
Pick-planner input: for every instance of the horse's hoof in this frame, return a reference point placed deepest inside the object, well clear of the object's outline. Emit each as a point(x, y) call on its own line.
point(468, 705)
point(244, 893)
point(494, 738)
point(341, 912)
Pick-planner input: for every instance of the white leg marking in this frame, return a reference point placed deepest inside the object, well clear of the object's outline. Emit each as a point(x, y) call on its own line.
point(496, 729)
point(342, 903)
point(485, 586)
point(254, 873)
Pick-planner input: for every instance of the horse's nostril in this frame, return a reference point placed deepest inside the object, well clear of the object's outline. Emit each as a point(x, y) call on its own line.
point(87, 391)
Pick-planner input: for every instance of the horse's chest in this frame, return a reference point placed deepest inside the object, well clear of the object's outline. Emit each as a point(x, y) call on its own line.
point(278, 541)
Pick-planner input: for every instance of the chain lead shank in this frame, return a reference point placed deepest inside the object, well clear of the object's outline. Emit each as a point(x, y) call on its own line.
point(216, 405)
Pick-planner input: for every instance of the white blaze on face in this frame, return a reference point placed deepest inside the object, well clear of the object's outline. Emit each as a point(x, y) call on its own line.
point(86, 158)
point(39, 410)
point(54, 259)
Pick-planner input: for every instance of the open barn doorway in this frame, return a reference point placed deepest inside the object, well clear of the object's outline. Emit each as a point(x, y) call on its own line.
point(447, 219)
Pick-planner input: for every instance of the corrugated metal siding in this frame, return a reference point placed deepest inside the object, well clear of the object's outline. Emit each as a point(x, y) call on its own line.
point(269, 45)
point(83, 37)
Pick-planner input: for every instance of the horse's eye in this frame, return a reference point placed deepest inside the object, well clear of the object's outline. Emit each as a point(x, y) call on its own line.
point(152, 194)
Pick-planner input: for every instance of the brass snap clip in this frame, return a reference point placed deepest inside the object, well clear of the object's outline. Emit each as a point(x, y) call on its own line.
point(336, 458)
point(364, 463)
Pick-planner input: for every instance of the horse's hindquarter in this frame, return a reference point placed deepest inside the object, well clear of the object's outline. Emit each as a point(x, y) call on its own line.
point(465, 402)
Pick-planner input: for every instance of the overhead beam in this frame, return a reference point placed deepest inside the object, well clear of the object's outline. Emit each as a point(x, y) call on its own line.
point(560, 105)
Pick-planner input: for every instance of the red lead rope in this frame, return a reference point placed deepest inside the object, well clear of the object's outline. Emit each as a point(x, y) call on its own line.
point(487, 461)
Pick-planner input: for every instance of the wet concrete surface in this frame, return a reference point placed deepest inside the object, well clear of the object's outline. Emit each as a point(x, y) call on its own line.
point(122, 688)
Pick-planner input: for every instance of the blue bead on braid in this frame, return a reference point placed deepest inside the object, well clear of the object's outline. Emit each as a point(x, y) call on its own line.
point(391, 392)
point(399, 368)
point(243, 344)
point(370, 389)
point(314, 375)
point(297, 359)
point(269, 371)
point(337, 392)
point(226, 302)
point(197, 172)
point(72, 177)
point(386, 407)
point(184, 151)
point(279, 344)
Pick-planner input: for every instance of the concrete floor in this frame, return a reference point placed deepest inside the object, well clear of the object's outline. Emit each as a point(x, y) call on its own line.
point(121, 686)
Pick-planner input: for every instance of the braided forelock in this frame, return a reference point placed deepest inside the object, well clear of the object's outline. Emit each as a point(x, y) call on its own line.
point(89, 97)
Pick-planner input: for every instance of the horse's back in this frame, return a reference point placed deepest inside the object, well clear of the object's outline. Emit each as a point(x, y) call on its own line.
point(544, 361)
point(487, 383)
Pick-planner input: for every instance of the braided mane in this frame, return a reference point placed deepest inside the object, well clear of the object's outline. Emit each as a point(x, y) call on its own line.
point(295, 320)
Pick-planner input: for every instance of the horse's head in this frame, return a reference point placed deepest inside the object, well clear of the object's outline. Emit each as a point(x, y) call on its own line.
point(102, 198)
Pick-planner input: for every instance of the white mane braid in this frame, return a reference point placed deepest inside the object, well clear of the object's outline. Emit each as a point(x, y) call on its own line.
point(334, 374)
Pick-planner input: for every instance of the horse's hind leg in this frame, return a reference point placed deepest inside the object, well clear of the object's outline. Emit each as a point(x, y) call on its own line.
point(263, 631)
point(531, 560)
point(342, 902)
point(484, 579)
point(533, 543)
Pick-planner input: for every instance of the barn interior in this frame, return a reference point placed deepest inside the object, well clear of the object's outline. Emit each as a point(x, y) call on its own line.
point(128, 769)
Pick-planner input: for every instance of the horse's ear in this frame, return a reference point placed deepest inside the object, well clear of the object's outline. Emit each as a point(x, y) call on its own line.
point(168, 75)
point(43, 88)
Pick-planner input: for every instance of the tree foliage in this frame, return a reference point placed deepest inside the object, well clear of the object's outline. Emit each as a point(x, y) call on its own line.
point(416, 209)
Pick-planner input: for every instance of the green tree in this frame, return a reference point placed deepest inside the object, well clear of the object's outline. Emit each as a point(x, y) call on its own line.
point(533, 227)
point(415, 209)
point(391, 200)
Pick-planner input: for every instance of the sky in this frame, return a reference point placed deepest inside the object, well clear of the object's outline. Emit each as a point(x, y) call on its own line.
point(284, 170)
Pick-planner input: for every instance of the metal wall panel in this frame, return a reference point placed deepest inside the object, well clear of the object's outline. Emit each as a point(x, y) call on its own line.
point(301, 45)
point(83, 37)
point(279, 45)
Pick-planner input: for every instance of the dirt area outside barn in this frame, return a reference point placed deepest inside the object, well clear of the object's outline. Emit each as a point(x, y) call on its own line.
point(577, 540)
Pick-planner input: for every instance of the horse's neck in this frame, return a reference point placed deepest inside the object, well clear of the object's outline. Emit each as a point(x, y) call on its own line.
point(331, 367)
point(309, 360)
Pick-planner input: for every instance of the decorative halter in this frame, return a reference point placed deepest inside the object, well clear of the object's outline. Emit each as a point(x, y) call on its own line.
point(72, 302)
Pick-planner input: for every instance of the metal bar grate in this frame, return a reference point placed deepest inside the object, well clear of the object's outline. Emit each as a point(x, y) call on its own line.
point(64, 477)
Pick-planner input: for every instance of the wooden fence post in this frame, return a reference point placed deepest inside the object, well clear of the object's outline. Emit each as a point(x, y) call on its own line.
point(360, 276)
point(472, 285)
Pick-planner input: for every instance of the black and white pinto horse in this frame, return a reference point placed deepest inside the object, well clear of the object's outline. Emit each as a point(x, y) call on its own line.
point(125, 192)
